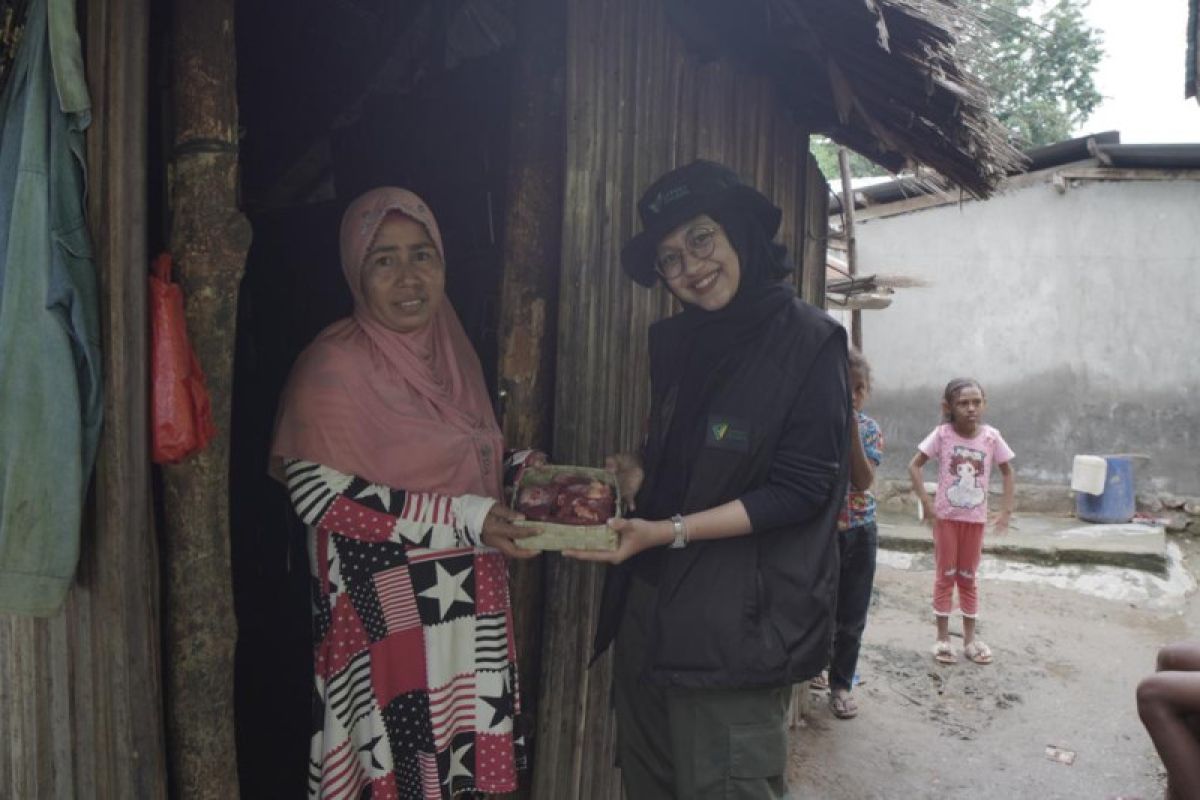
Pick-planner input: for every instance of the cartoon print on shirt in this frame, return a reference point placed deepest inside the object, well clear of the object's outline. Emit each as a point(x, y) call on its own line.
point(965, 465)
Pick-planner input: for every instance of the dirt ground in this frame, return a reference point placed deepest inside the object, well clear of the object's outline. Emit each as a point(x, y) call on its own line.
point(1067, 664)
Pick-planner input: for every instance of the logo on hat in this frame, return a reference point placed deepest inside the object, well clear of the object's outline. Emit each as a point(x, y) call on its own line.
point(664, 199)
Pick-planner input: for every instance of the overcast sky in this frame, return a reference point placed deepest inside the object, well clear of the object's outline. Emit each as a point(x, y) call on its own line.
point(1141, 76)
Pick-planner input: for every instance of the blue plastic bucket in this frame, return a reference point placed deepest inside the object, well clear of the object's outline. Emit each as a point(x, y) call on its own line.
point(1117, 502)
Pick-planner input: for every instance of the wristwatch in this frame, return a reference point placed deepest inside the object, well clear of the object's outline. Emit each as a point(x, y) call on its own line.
point(680, 529)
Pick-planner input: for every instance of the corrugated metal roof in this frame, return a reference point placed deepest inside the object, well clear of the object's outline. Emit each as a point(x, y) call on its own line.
point(1148, 156)
point(1104, 149)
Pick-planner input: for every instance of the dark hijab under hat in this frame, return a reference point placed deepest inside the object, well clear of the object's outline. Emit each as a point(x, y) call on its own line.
point(712, 342)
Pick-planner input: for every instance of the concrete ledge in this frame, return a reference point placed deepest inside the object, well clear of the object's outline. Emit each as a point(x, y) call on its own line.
point(1050, 540)
point(895, 494)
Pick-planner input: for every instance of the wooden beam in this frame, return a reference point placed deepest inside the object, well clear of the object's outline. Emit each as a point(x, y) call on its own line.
point(815, 242)
point(209, 239)
point(871, 301)
point(848, 234)
point(124, 749)
point(529, 288)
point(909, 204)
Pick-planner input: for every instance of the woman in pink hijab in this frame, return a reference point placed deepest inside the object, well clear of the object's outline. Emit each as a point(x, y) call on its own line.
point(388, 445)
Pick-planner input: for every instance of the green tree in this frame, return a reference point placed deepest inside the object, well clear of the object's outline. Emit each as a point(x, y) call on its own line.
point(1037, 58)
point(826, 152)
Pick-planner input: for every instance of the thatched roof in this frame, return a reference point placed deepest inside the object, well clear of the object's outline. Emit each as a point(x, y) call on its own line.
point(882, 77)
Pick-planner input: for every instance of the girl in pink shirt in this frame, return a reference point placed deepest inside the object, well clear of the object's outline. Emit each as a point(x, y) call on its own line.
point(965, 450)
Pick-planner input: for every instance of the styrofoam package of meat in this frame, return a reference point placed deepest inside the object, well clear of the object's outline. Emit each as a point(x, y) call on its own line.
point(569, 505)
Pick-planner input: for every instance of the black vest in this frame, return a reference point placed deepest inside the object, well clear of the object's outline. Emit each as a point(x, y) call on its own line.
point(754, 610)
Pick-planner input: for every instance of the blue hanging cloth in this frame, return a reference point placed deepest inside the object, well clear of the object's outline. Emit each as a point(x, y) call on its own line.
point(50, 382)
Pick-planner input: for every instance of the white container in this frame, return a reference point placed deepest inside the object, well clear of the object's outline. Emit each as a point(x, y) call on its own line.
point(1088, 474)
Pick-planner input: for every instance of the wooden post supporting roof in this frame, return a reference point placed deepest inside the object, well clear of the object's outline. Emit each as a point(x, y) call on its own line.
point(80, 693)
point(209, 239)
point(848, 233)
point(529, 291)
point(814, 238)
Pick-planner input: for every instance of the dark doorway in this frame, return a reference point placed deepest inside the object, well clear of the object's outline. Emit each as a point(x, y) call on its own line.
point(336, 98)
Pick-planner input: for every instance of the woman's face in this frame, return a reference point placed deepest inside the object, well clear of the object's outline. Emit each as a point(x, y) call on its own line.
point(706, 266)
point(403, 278)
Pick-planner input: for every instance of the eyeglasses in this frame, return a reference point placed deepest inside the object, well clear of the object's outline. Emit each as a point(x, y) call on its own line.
point(699, 242)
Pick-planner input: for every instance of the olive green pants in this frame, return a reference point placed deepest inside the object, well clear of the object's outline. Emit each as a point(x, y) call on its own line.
point(693, 744)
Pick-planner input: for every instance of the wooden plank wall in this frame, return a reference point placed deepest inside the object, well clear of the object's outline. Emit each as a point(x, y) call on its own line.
point(637, 105)
point(80, 693)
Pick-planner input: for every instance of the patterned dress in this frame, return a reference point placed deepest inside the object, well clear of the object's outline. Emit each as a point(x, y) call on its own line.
point(859, 508)
point(416, 684)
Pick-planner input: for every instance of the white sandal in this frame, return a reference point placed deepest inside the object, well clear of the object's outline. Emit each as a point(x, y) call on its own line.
point(943, 653)
point(978, 652)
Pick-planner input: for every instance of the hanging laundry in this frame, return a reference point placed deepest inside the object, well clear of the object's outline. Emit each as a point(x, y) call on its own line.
point(50, 383)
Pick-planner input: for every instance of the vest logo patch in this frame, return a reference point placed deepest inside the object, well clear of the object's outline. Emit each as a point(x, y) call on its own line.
point(727, 433)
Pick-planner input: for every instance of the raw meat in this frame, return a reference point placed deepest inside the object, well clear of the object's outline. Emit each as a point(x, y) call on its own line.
point(569, 500)
point(537, 502)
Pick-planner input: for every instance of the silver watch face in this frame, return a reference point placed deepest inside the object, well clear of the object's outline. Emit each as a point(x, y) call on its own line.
point(677, 524)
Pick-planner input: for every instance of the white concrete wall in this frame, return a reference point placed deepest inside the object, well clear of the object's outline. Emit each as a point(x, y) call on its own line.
point(1077, 311)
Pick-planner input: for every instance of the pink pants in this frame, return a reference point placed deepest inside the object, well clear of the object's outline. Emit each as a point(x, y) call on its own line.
point(957, 547)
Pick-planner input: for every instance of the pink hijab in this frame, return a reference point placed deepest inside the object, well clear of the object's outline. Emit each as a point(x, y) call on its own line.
point(406, 410)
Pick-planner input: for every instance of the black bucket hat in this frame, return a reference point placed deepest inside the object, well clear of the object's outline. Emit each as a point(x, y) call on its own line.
point(698, 188)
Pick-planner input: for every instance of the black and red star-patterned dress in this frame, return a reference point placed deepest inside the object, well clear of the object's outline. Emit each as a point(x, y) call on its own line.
point(416, 684)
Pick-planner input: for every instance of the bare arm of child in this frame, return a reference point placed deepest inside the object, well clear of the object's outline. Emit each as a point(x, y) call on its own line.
point(918, 486)
point(1168, 702)
point(862, 471)
point(1007, 500)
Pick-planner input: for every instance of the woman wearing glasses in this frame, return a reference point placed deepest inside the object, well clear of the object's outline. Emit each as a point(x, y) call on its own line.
point(722, 591)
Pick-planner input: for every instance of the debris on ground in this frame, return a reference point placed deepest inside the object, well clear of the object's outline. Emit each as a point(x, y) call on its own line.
point(1060, 754)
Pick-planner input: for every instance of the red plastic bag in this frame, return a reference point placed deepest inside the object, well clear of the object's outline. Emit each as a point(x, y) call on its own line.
point(181, 413)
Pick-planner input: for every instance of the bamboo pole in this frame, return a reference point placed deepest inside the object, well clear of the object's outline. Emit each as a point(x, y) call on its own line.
point(848, 232)
point(209, 238)
point(119, 572)
point(529, 291)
